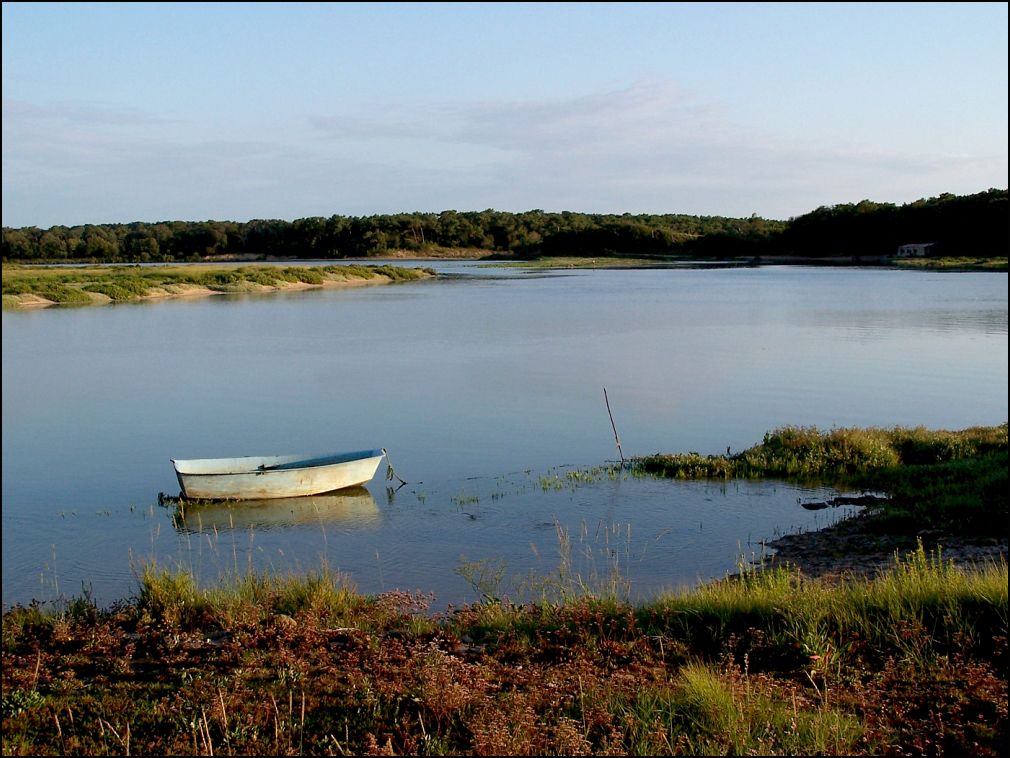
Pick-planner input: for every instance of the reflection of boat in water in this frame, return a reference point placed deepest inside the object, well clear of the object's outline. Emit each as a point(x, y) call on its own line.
point(350, 508)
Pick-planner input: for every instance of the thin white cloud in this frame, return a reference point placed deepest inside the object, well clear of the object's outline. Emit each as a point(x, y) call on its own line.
point(80, 113)
point(638, 115)
point(633, 119)
point(649, 147)
point(649, 133)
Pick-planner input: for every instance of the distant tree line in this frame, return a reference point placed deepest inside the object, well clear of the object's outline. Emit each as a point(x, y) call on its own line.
point(957, 225)
point(973, 224)
point(521, 234)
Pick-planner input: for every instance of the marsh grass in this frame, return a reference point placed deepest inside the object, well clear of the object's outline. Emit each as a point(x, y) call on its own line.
point(922, 608)
point(175, 598)
point(955, 263)
point(770, 663)
point(948, 480)
point(708, 711)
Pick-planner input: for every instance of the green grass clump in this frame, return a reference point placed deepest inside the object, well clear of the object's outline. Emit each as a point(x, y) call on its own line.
point(807, 452)
point(170, 597)
point(325, 594)
point(687, 466)
point(302, 274)
point(398, 273)
point(121, 288)
point(924, 607)
point(175, 598)
point(708, 712)
point(58, 289)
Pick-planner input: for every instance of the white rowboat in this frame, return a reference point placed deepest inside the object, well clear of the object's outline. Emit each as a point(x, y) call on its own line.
point(273, 476)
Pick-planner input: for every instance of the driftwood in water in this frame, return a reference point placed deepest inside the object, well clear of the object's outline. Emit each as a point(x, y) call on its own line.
point(860, 500)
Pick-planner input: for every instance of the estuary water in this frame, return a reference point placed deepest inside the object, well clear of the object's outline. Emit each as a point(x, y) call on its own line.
point(485, 386)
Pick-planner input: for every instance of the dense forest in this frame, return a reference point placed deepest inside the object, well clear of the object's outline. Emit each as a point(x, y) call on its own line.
point(975, 225)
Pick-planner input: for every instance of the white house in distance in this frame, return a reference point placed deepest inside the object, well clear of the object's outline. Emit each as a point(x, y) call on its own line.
point(915, 250)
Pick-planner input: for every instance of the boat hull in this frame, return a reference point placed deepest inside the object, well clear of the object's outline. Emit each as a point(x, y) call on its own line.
point(268, 477)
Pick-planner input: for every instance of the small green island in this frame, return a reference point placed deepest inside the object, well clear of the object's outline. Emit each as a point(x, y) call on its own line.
point(41, 286)
point(908, 656)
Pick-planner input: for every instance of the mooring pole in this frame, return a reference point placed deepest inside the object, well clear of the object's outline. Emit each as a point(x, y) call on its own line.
point(612, 424)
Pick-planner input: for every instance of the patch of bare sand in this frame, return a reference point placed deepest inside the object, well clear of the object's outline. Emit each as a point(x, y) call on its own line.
point(27, 301)
point(193, 290)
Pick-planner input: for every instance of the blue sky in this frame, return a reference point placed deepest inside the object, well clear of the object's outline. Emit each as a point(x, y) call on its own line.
point(179, 111)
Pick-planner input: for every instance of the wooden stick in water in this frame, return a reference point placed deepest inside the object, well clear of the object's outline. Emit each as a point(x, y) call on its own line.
point(612, 424)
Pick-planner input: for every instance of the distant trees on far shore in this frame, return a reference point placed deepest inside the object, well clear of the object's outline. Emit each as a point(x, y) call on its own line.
point(974, 225)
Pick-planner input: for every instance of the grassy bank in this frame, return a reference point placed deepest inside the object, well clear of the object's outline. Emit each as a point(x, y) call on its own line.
point(954, 263)
point(911, 662)
point(948, 481)
point(32, 286)
point(687, 261)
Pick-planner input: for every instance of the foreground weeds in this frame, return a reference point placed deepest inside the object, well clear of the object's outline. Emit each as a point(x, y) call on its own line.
point(914, 661)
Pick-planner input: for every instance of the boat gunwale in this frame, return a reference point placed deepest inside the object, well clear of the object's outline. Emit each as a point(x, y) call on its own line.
point(289, 463)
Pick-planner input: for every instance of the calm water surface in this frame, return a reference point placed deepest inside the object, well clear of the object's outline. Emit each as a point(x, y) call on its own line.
point(486, 388)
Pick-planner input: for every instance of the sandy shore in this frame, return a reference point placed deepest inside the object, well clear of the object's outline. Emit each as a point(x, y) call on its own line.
point(193, 291)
